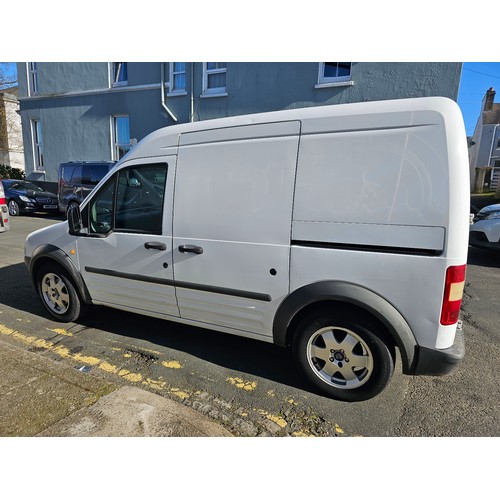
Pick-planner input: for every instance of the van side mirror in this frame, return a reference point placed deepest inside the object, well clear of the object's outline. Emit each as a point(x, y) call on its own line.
point(75, 220)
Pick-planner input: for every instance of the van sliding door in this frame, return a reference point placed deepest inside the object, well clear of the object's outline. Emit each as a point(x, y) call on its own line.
point(232, 223)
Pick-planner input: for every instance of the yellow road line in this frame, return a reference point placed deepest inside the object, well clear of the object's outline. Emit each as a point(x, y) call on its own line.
point(64, 353)
point(242, 384)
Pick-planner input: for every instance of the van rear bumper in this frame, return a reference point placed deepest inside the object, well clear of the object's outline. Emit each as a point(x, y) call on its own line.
point(440, 361)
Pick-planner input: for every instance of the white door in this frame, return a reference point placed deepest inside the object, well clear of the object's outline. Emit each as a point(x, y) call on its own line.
point(126, 260)
point(232, 223)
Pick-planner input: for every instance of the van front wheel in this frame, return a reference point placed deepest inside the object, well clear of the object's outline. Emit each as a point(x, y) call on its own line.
point(58, 294)
point(342, 356)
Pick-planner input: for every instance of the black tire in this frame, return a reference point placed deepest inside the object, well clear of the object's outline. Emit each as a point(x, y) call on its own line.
point(343, 355)
point(58, 293)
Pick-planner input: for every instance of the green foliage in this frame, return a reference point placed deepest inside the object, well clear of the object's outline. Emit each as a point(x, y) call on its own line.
point(7, 172)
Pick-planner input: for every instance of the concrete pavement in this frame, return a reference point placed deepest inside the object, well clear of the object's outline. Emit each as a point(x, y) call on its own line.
point(42, 397)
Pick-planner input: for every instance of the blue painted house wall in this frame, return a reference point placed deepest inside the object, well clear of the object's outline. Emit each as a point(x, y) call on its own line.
point(75, 101)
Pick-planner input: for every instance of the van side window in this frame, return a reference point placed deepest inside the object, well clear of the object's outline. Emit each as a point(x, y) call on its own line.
point(67, 171)
point(76, 177)
point(132, 201)
point(92, 174)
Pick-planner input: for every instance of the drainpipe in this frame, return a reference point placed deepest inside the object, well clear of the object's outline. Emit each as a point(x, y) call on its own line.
point(192, 93)
point(165, 107)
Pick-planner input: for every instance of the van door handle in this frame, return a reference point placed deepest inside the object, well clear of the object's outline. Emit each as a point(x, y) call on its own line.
point(190, 249)
point(155, 245)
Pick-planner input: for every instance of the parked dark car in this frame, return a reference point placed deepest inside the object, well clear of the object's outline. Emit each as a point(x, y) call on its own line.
point(77, 179)
point(25, 197)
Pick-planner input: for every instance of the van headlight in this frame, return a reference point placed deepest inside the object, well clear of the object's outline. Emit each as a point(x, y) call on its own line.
point(493, 215)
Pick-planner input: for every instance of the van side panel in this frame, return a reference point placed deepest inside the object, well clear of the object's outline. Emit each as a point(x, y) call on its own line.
point(390, 178)
point(413, 284)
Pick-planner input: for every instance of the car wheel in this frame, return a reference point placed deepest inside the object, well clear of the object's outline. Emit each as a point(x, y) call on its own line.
point(58, 293)
point(14, 208)
point(343, 356)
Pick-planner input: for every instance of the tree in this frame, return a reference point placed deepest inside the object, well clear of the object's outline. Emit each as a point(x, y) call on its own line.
point(11, 141)
point(8, 75)
point(7, 172)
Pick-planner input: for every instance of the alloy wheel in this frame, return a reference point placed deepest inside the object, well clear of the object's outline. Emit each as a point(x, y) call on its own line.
point(339, 357)
point(55, 293)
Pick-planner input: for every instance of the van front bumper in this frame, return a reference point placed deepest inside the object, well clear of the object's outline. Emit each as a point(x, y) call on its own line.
point(440, 361)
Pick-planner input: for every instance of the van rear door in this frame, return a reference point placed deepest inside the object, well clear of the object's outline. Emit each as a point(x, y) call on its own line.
point(232, 223)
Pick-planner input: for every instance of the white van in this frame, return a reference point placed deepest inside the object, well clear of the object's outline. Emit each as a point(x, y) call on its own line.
point(338, 231)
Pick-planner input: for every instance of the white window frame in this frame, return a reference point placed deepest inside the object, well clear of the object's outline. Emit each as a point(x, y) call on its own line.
point(33, 78)
point(37, 145)
point(115, 145)
point(336, 81)
point(112, 74)
point(173, 73)
point(216, 91)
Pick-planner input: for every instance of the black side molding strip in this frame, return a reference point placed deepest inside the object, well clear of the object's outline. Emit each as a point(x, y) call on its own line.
point(128, 276)
point(263, 297)
point(368, 248)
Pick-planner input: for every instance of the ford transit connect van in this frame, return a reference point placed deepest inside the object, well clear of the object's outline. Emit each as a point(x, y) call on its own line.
point(340, 232)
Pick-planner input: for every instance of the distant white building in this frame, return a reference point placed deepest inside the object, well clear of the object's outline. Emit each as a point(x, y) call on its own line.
point(11, 135)
point(484, 146)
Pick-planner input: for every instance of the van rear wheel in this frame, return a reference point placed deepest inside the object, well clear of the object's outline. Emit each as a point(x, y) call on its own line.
point(58, 293)
point(343, 356)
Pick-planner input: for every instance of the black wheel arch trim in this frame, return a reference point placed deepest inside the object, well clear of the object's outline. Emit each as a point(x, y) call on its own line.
point(364, 298)
point(51, 252)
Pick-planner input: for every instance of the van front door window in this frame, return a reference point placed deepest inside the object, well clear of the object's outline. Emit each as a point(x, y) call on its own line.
point(132, 201)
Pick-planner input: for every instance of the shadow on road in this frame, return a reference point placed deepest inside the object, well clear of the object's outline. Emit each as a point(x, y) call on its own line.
point(236, 353)
point(486, 258)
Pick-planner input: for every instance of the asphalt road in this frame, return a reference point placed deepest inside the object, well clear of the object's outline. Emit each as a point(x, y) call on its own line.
point(251, 387)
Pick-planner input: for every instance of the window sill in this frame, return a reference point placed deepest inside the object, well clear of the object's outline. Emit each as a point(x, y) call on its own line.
point(119, 84)
point(218, 94)
point(179, 93)
point(326, 85)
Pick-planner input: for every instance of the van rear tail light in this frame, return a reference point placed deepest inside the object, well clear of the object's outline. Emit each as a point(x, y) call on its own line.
point(2, 201)
point(453, 293)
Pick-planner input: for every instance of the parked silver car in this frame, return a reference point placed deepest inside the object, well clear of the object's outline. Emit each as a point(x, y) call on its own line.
point(485, 231)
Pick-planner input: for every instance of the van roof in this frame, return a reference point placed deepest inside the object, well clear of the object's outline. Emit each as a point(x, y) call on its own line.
point(87, 162)
point(168, 137)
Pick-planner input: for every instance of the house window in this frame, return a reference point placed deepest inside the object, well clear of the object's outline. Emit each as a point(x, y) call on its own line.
point(334, 73)
point(214, 79)
point(178, 78)
point(119, 74)
point(33, 76)
point(121, 136)
point(36, 135)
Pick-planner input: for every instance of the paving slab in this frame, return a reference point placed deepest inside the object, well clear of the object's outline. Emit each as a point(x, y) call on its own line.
point(130, 411)
point(43, 397)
